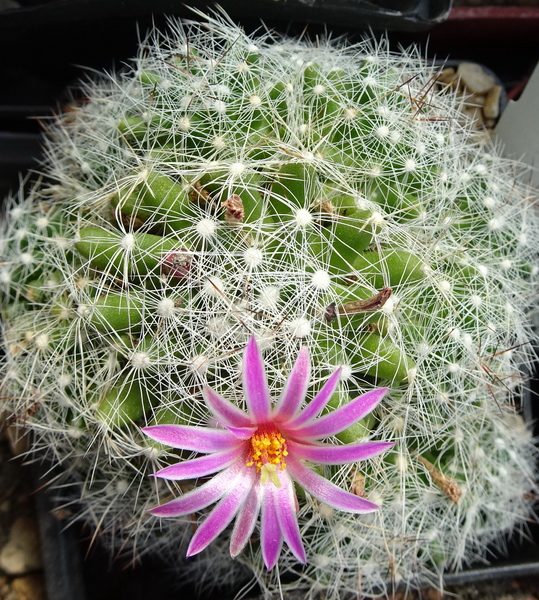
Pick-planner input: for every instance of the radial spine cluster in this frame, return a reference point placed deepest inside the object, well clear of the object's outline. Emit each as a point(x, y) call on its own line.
point(310, 194)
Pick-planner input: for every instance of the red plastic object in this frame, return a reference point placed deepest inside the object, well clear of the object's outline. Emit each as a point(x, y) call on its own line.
point(493, 22)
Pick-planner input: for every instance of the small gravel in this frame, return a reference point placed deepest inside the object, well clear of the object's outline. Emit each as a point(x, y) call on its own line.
point(21, 576)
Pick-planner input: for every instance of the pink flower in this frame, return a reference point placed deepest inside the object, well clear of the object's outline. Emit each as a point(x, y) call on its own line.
point(257, 455)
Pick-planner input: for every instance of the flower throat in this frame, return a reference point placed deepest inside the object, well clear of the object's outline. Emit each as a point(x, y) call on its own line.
point(267, 453)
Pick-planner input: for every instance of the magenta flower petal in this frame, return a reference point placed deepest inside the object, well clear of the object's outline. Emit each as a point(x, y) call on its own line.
point(223, 513)
point(200, 467)
point(285, 501)
point(245, 521)
point(258, 455)
point(255, 383)
point(202, 496)
point(317, 404)
point(224, 410)
point(327, 492)
point(186, 437)
point(295, 388)
point(241, 433)
point(271, 537)
point(328, 454)
point(338, 420)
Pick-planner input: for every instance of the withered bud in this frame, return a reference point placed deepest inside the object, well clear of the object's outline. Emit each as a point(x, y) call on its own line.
point(447, 484)
point(234, 209)
point(327, 206)
point(131, 222)
point(199, 195)
point(369, 304)
point(358, 485)
point(358, 306)
point(178, 263)
point(331, 312)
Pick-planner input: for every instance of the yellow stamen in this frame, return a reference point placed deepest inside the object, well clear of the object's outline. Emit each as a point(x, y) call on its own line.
point(268, 449)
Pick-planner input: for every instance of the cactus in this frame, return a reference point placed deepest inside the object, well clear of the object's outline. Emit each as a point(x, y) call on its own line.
point(321, 195)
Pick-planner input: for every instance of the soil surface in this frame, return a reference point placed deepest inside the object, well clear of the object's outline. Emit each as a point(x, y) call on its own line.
point(21, 575)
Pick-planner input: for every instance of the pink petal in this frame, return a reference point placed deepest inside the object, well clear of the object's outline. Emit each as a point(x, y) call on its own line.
point(285, 502)
point(327, 492)
point(295, 388)
point(271, 538)
point(199, 467)
point(341, 418)
point(225, 411)
point(242, 433)
point(329, 454)
point(255, 383)
point(316, 405)
point(187, 437)
point(223, 513)
point(245, 521)
point(202, 496)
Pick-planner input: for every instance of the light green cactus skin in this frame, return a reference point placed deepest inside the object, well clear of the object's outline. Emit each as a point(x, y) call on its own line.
point(227, 186)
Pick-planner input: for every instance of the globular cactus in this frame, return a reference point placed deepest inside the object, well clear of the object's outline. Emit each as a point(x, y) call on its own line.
point(322, 195)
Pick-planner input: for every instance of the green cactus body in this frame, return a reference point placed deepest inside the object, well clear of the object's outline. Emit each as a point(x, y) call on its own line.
point(391, 363)
point(137, 253)
point(292, 189)
point(123, 404)
point(389, 267)
point(323, 195)
point(349, 235)
point(158, 199)
point(117, 312)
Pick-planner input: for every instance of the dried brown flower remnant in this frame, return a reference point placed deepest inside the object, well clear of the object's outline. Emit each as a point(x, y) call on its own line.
point(358, 306)
point(199, 194)
point(328, 207)
point(447, 484)
point(358, 485)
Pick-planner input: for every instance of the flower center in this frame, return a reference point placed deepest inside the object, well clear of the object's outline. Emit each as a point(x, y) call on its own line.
point(268, 449)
